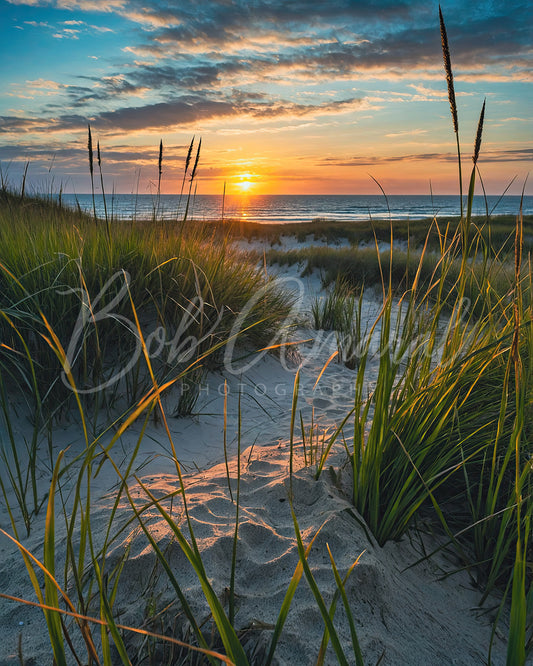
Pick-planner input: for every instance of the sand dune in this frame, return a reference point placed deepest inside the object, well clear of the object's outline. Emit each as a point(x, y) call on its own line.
point(404, 615)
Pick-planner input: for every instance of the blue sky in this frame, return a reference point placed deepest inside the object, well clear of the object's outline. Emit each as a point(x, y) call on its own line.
point(300, 97)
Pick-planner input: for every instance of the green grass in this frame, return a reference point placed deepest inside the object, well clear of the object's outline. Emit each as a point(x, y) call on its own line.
point(497, 230)
point(361, 267)
point(185, 282)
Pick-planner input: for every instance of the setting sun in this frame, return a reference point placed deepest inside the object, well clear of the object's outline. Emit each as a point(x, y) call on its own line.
point(245, 186)
point(246, 181)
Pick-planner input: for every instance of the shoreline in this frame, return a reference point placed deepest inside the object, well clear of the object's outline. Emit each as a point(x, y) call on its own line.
point(294, 209)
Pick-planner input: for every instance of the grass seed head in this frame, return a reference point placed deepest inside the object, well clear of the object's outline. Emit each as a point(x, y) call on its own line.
point(479, 133)
point(193, 173)
point(449, 73)
point(90, 149)
point(189, 155)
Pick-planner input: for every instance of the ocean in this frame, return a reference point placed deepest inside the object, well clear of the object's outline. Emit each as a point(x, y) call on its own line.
point(294, 208)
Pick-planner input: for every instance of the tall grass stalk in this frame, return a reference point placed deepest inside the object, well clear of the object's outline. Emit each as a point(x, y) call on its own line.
point(24, 176)
point(516, 651)
point(185, 171)
point(191, 180)
point(157, 204)
point(107, 221)
point(91, 168)
point(451, 97)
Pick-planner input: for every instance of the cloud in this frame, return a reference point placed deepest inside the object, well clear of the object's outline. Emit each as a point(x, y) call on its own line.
point(413, 132)
point(45, 125)
point(67, 33)
point(322, 38)
point(181, 111)
point(45, 84)
point(517, 155)
point(10, 124)
point(116, 154)
point(190, 110)
point(82, 5)
point(263, 66)
point(37, 24)
point(69, 29)
point(336, 38)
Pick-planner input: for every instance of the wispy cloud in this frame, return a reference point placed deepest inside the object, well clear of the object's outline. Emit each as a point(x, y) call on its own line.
point(69, 29)
point(517, 155)
point(414, 132)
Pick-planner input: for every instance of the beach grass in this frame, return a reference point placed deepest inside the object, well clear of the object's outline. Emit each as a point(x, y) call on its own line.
point(496, 230)
point(60, 264)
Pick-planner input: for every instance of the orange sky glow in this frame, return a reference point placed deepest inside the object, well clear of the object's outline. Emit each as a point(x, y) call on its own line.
point(288, 98)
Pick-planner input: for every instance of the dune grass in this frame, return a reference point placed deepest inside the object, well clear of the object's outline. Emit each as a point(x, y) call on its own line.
point(496, 230)
point(361, 267)
point(60, 264)
point(60, 270)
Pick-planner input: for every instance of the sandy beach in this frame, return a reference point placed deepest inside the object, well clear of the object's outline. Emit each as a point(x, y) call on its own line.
point(405, 613)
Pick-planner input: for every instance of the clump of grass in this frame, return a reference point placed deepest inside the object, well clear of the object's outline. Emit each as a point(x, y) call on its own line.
point(341, 311)
point(328, 312)
point(189, 288)
point(190, 385)
point(497, 232)
point(350, 335)
point(361, 267)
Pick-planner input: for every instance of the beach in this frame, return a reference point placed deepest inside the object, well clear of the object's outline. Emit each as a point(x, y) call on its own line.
point(407, 609)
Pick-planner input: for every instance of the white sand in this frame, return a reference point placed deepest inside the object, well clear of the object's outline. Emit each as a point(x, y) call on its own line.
point(405, 614)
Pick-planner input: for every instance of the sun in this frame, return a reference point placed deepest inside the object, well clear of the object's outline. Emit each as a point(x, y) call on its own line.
point(246, 182)
point(245, 186)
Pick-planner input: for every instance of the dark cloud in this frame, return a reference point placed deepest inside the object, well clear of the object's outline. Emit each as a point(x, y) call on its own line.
point(196, 77)
point(217, 23)
point(66, 122)
point(478, 32)
point(209, 45)
point(182, 111)
point(520, 155)
point(78, 153)
point(193, 110)
point(22, 124)
point(16, 124)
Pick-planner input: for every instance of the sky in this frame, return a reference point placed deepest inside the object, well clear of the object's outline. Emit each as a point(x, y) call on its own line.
point(288, 97)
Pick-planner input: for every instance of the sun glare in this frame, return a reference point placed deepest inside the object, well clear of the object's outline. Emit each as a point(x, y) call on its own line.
point(245, 183)
point(245, 186)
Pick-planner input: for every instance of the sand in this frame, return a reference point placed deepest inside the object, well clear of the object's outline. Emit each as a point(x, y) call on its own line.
point(404, 614)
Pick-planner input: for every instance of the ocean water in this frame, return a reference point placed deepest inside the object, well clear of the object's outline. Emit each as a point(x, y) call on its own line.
point(294, 208)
